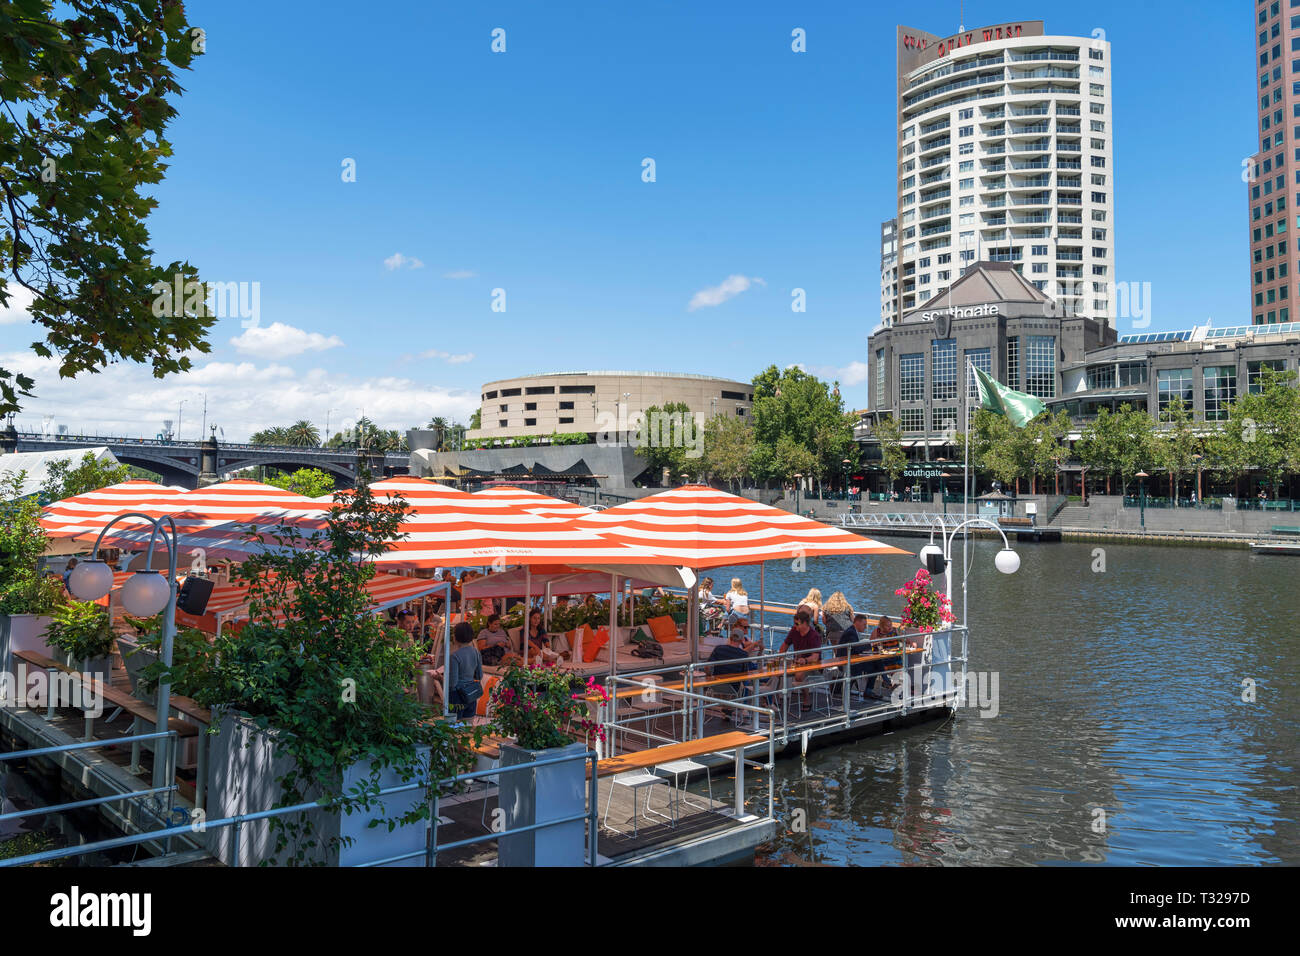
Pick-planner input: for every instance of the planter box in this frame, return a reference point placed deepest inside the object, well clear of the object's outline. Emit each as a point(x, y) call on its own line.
point(23, 632)
point(539, 795)
point(245, 765)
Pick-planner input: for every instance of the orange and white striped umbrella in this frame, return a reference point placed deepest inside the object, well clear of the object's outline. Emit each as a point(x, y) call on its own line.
point(447, 528)
point(701, 527)
point(228, 604)
point(216, 519)
point(536, 503)
point(88, 513)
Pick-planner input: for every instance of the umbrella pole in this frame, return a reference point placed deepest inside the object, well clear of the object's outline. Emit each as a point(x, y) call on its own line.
point(446, 652)
point(762, 604)
point(693, 616)
point(528, 597)
point(612, 646)
point(547, 608)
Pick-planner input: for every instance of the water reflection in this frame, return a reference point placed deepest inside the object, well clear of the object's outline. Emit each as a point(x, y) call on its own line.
point(1123, 736)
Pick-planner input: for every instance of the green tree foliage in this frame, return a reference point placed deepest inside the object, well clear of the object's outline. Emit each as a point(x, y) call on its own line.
point(303, 434)
point(666, 438)
point(729, 449)
point(333, 678)
point(1177, 443)
point(23, 589)
point(799, 426)
point(893, 460)
point(279, 435)
point(62, 480)
point(1262, 431)
point(87, 89)
point(1010, 453)
point(1122, 443)
point(312, 482)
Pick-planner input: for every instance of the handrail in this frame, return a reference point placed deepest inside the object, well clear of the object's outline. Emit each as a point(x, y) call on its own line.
point(430, 852)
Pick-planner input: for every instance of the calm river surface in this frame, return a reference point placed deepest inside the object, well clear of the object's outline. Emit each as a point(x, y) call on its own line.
point(1119, 692)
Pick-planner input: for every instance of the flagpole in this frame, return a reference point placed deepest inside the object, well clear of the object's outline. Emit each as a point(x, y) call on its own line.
point(965, 491)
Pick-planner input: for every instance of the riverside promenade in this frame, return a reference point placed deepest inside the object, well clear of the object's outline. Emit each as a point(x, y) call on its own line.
point(1103, 517)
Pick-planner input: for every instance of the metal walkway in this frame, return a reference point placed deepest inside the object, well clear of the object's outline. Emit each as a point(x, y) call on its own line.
point(922, 520)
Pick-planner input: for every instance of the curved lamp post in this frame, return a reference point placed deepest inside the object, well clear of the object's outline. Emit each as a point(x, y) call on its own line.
point(1006, 561)
point(1142, 477)
point(143, 595)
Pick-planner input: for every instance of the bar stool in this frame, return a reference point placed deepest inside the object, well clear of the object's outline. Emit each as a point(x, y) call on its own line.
point(686, 767)
point(636, 781)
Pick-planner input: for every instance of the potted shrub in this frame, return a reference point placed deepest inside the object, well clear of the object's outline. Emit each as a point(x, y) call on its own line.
point(82, 633)
point(926, 620)
point(28, 597)
point(314, 698)
point(535, 705)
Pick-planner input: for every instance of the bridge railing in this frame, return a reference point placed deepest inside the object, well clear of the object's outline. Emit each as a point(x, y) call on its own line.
point(175, 443)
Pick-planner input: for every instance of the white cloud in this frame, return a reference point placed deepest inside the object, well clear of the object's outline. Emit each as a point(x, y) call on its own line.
point(459, 274)
point(399, 261)
point(451, 359)
point(243, 397)
point(15, 309)
point(278, 340)
point(855, 373)
point(729, 288)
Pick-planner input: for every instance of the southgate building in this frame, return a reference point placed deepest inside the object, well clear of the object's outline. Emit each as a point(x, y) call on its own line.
point(1004, 156)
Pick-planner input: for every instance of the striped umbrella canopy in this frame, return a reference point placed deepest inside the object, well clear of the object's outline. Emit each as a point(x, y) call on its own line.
point(532, 501)
point(214, 520)
point(447, 528)
point(87, 513)
point(701, 527)
point(227, 604)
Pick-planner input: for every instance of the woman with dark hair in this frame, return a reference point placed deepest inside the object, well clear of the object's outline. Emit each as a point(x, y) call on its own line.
point(539, 642)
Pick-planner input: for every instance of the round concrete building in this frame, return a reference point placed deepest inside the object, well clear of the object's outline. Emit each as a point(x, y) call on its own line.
point(591, 402)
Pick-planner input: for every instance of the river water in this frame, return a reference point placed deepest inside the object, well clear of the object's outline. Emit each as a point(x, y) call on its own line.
point(1125, 731)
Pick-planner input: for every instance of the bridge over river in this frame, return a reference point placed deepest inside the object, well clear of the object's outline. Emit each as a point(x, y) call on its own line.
point(182, 462)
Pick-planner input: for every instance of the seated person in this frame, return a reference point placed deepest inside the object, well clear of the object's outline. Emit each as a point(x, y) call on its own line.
point(539, 642)
point(807, 641)
point(742, 625)
point(494, 643)
point(854, 643)
point(731, 659)
point(886, 634)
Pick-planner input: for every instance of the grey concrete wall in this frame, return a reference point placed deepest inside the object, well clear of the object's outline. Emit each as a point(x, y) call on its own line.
point(619, 465)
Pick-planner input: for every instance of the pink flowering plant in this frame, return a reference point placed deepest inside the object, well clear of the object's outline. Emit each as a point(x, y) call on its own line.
point(535, 705)
point(924, 608)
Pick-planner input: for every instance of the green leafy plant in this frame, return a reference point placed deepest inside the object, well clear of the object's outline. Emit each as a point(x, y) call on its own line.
point(81, 629)
point(189, 660)
point(329, 679)
point(23, 588)
point(88, 91)
point(535, 705)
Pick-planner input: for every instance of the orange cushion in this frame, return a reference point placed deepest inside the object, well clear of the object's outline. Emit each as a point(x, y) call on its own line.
point(592, 643)
point(663, 629)
point(488, 684)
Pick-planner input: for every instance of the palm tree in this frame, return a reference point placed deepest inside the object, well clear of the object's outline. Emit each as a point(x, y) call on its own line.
point(302, 434)
point(277, 435)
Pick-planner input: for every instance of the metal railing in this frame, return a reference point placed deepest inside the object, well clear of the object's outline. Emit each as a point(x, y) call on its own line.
point(766, 691)
point(237, 822)
point(903, 519)
point(158, 808)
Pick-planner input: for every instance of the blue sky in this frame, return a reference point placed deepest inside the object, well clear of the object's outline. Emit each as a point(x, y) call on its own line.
point(522, 171)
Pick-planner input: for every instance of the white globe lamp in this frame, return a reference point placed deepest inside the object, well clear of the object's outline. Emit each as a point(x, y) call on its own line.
point(90, 580)
point(145, 594)
point(928, 550)
point(1007, 561)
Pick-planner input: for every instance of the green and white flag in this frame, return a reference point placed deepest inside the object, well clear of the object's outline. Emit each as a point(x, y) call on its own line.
point(1019, 407)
